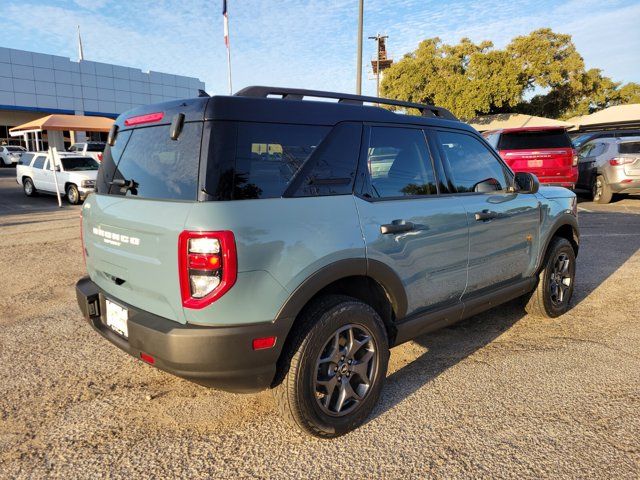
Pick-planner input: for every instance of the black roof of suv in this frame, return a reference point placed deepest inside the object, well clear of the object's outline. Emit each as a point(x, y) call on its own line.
point(257, 104)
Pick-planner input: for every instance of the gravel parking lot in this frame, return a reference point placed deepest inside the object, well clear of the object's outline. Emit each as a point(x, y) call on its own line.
point(502, 394)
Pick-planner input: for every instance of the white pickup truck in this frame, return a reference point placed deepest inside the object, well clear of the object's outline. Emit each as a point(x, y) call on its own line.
point(76, 175)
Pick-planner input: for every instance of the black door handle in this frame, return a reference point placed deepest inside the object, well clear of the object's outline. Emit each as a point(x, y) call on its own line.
point(397, 226)
point(485, 215)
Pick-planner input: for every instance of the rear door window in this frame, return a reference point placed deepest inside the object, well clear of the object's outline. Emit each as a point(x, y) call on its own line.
point(534, 140)
point(157, 166)
point(39, 162)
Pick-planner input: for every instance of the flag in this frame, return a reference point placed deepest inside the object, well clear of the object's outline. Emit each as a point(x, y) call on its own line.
point(226, 22)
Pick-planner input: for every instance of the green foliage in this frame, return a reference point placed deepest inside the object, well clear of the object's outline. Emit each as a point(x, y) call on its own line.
point(541, 74)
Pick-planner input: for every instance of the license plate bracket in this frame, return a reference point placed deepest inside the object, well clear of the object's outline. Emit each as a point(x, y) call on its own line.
point(116, 318)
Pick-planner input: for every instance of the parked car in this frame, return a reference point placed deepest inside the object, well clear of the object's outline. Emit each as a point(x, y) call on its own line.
point(579, 139)
point(76, 176)
point(10, 154)
point(610, 166)
point(91, 149)
point(297, 273)
point(546, 152)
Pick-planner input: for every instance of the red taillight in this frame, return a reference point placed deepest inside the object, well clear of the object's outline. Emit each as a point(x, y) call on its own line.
point(99, 157)
point(263, 343)
point(147, 118)
point(616, 161)
point(574, 162)
point(147, 358)
point(208, 266)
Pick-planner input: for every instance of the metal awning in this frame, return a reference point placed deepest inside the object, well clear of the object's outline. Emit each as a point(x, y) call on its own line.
point(64, 122)
point(514, 120)
point(618, 116)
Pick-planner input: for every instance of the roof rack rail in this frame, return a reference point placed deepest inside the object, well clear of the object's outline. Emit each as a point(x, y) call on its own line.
point(299, 94)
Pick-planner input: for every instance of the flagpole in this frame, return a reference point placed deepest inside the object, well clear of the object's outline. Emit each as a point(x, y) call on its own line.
point(80, 50)
point(229, 68)
point(227, 41)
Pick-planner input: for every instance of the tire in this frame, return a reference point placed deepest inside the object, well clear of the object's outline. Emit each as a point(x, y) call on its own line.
point(319, 352)
point(28, 187)
point(73, 196)
point(601, 191)
point(556, 281)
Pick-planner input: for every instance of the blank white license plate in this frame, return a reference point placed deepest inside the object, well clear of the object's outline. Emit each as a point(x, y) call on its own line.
point(534, 163)
point(117, 317)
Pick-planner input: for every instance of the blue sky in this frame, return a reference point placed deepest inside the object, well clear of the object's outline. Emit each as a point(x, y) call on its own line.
point(308, 44)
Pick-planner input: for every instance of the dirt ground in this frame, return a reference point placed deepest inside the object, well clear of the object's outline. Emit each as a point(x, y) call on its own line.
point(502, 394)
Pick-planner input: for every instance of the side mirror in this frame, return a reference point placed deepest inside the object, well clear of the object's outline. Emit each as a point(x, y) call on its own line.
point(527, 182)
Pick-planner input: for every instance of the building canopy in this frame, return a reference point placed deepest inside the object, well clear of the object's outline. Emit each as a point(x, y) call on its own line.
point(65, 122)
point(513, 120)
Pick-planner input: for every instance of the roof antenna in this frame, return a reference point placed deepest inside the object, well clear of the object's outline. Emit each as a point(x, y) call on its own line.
point(80, 51)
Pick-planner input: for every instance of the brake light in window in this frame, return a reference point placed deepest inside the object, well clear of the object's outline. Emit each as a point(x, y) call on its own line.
point(616, 161)
point(208, 266)
point(147, 118)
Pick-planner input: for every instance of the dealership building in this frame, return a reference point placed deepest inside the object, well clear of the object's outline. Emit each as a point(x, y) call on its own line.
point(33, 85)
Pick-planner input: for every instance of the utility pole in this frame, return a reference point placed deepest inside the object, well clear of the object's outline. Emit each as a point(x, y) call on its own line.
point(381, 61)
point(380, 39)
point(359, 61)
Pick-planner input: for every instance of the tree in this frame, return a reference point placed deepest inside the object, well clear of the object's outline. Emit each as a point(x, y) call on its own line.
point(630, 93)
point(541, 73)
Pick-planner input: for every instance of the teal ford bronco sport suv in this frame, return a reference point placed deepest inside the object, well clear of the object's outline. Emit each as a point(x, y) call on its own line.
point(267, 240)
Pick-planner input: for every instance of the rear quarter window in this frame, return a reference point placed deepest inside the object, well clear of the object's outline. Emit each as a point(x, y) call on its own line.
point(629, 147)
point(534, 140)
point(160, 168)
point(258, 160)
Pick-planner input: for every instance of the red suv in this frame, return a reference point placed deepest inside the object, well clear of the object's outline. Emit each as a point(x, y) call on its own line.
point(546, 152)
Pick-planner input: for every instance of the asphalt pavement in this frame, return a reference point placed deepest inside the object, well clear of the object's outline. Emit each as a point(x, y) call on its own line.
point(501, 395)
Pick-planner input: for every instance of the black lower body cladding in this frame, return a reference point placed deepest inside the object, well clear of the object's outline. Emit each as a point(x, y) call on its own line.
point(219, 357)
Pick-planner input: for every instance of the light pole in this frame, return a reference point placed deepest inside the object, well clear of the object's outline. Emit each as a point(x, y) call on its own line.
point(359, 61)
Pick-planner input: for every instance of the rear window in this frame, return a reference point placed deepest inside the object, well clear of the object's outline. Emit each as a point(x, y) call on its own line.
point(629, 147)
point(76, 164)
point(95, 147)
point(156, 166)
point(14, 149)
point(534, 140)
point(258, 160)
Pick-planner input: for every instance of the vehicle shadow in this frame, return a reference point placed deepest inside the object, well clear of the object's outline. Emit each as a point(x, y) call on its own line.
point(608, 240)
point(13, 201)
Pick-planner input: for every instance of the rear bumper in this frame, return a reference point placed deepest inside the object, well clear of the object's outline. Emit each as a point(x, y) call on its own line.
point(626, 187)
point(220, 357)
